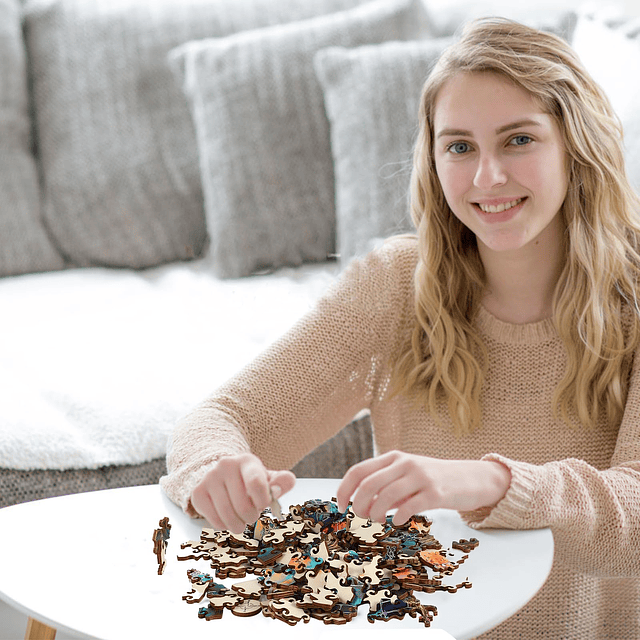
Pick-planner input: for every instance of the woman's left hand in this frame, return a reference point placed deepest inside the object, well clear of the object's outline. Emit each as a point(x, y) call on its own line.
point(412, 483)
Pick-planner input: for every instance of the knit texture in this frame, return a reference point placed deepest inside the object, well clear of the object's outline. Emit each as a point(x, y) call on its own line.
point(117, 147)
point(263, 135)
point(25, 245)
point(584, 484)
point(373, 172)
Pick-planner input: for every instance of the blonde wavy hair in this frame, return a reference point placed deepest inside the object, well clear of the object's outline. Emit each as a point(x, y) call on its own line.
point(595, 301)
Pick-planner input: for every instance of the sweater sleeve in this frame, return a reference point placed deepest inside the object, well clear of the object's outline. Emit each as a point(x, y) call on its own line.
point(594, 514)
point(305, 387)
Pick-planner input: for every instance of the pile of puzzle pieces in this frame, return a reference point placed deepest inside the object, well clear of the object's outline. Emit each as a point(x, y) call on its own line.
point(318, 562)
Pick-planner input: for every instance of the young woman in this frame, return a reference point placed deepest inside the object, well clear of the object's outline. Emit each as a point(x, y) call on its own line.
point(496, 350)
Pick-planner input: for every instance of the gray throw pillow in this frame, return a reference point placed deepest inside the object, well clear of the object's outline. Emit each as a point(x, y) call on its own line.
point(24, 243)
point(263, 135)
point(118, 150)
point(372, 95)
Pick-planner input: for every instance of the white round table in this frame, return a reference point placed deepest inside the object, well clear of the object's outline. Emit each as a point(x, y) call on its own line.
point(85, 564)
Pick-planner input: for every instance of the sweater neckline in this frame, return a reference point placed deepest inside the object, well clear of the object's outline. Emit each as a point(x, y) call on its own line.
point(530, 333)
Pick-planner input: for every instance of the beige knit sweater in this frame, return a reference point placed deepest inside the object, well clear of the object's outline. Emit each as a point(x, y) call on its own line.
point(583, 484)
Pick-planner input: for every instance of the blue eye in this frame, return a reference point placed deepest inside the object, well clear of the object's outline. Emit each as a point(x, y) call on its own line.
point(520, 141)
point(458, 148)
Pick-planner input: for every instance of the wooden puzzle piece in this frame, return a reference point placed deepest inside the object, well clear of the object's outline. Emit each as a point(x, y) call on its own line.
point(160, 542)
point(405, 573)
point(287, 610)
point(209, 612)
point(340, 613)
point(369, 534)
point(262, 526)
point(280, 534)
point(278, 592)
point(436, 560)
point(199, 584)
point(246, 608)
point(303, 563)
point(232, 572)
point(426, 613)
point(373, 597)
point(199, 549)
point(317, 595)
point(248, 589)
point(355, 520)
point(318, 562)
point(344, 592)
point(223, 598)
point(280, 574)
point(420, 524)
point(309, 538)
point(221, 557)
point(465, 545)
point(244, 541)
point(268, 555)
point(337, 568)
point(368, 571)
point(389, 609)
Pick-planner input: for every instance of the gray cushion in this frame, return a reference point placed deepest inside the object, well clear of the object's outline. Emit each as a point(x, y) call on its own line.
point(118, 149)
point(372, 95)
point(263, 134)
point(24, 243)
point(19, 485)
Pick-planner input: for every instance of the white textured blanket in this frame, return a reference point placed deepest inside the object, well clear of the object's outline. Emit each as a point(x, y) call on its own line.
point(96, 366)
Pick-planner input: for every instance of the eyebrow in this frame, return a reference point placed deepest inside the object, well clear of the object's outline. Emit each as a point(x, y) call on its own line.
point(528, 122)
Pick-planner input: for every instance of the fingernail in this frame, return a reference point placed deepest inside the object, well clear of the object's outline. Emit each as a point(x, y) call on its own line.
point(276, 491)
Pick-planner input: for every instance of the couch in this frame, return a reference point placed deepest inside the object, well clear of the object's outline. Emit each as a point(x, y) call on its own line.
point(180, 180)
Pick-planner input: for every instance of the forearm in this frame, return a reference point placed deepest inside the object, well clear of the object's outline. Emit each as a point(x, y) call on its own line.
point(199, 441)
point(411, 483)
point(594, 515)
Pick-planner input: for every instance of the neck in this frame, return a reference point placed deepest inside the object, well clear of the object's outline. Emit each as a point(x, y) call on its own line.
point(521, 284)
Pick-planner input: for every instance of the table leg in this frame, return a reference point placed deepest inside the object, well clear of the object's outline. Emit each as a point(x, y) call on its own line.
point(38, 631)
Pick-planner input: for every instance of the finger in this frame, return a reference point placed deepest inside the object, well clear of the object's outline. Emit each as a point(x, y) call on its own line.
point(230, 519)
point(355, 475)
point(255, 480)
point(249, 502)
point(234, 506)
point(417, 503)
point(281, 482)
point(203, 505)
point(392, 495)
point(374, 497)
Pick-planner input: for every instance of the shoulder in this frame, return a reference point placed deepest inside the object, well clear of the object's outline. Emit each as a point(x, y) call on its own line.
point(395, 259)
point(382, 278)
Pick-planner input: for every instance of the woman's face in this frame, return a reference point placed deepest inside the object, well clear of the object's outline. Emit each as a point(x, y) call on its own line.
point(500, 160)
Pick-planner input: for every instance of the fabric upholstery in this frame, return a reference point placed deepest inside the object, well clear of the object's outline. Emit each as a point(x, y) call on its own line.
point(371, 95)
point(118, 152)
point(329, 460)
point(263, 134)
point(24, 243)
point(17, 485)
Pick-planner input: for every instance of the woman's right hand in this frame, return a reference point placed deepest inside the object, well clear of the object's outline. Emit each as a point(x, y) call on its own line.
point(237, 489)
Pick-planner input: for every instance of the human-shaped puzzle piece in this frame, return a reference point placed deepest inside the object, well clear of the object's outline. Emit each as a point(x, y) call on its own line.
point(160, 542)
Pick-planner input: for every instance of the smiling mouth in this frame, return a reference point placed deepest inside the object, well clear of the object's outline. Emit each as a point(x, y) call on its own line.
point(505, 206)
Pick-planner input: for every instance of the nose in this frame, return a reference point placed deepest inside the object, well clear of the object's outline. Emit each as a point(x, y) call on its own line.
point(490, 172)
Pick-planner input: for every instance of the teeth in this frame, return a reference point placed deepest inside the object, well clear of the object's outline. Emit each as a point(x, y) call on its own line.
point(501, 207)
